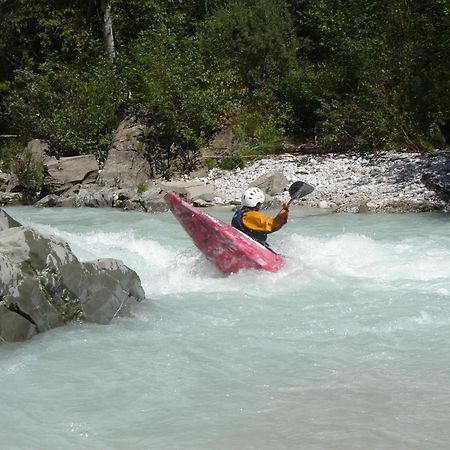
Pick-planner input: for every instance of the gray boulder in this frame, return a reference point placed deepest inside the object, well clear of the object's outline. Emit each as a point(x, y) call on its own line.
point(4, 179)
point(272, 183)
point(51, 201)
point(111, 286)
point(92, 196)
point(43, 285)
point(64, 173)
point(10, 198)
point(95, 196)
point(152, 200)
point(191, 190)
point(35, 154)
point(224, 143)
point(126, 165)
point(436, 174)
point(436, 136)
point(6, 221)
point(39, 151)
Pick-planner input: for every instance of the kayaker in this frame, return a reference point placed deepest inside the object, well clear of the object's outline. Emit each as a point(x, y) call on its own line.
point(252, 222)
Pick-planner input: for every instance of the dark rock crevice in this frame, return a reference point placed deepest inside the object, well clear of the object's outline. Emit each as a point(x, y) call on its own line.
point(14, 307)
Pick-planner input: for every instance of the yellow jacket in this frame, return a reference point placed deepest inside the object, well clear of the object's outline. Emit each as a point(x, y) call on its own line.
point(256, 221)
point(257, 225)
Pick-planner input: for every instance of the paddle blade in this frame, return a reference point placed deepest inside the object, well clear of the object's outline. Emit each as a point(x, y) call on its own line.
point(299, 189)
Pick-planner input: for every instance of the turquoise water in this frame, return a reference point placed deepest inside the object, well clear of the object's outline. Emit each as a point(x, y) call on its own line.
point(347, 347)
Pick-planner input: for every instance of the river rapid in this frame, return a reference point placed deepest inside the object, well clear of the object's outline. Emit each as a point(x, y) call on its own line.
point(347, 347)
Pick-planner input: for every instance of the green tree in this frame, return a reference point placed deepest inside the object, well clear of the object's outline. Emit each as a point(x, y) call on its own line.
point(418, 63)
point(43, 32)
point(190, 93)
point(256, 37)
point(375, 71)
point(73, 110)
point(355, 74)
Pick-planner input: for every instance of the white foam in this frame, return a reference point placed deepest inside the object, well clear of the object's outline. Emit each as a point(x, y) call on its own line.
point(361, 256)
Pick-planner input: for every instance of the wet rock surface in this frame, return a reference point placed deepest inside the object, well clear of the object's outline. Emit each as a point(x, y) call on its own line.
point(43, 285)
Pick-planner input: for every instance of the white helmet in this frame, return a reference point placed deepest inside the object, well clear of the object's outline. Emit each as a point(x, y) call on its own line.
point(252, 196)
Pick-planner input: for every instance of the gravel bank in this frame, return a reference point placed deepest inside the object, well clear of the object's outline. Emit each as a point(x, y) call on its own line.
point(383, 182)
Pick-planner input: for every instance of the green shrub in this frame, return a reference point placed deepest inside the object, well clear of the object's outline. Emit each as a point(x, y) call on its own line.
point(29, 173)
point(191, 93)
point(141, 187)
point(266, 149)
point(9, 151)
point(231, 162)
point(74, 111)
point(260, 125)
point(256, 37)
point(371, 120)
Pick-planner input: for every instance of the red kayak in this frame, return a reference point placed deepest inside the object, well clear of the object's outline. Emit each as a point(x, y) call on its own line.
point(226, 247)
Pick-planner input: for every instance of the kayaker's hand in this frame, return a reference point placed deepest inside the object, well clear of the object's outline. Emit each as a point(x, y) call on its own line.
point(286, 206)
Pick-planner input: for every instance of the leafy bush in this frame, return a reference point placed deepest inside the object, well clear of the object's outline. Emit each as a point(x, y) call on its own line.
point(261, 150)
point(73, 111)
point(29, 173)
point(8, 153)
point(372, 73)
point(191, 94)
point(141, 187)
point(231, 162)
point(370, 121)
point(256, 37)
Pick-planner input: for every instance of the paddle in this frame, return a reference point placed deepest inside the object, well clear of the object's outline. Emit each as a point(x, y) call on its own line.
point(299, 189)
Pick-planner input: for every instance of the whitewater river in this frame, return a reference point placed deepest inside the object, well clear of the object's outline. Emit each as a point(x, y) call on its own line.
point(346, 348)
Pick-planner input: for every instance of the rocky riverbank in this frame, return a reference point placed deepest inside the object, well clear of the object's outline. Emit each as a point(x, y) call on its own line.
point(383, 182)
point(134, 177)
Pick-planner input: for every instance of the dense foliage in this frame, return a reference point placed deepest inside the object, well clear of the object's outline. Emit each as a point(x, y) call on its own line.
point(349, 74)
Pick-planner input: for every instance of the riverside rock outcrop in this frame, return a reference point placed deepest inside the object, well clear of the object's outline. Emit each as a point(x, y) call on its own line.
point(64, 173)
point(372, 182)
point(139, 170)
point(126, 164)
point(43, 285)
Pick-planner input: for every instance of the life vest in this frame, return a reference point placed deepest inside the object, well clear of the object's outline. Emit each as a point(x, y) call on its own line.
point(237, 222)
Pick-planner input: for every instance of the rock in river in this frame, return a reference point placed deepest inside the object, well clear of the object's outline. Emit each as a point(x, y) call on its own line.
point(43, 285)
